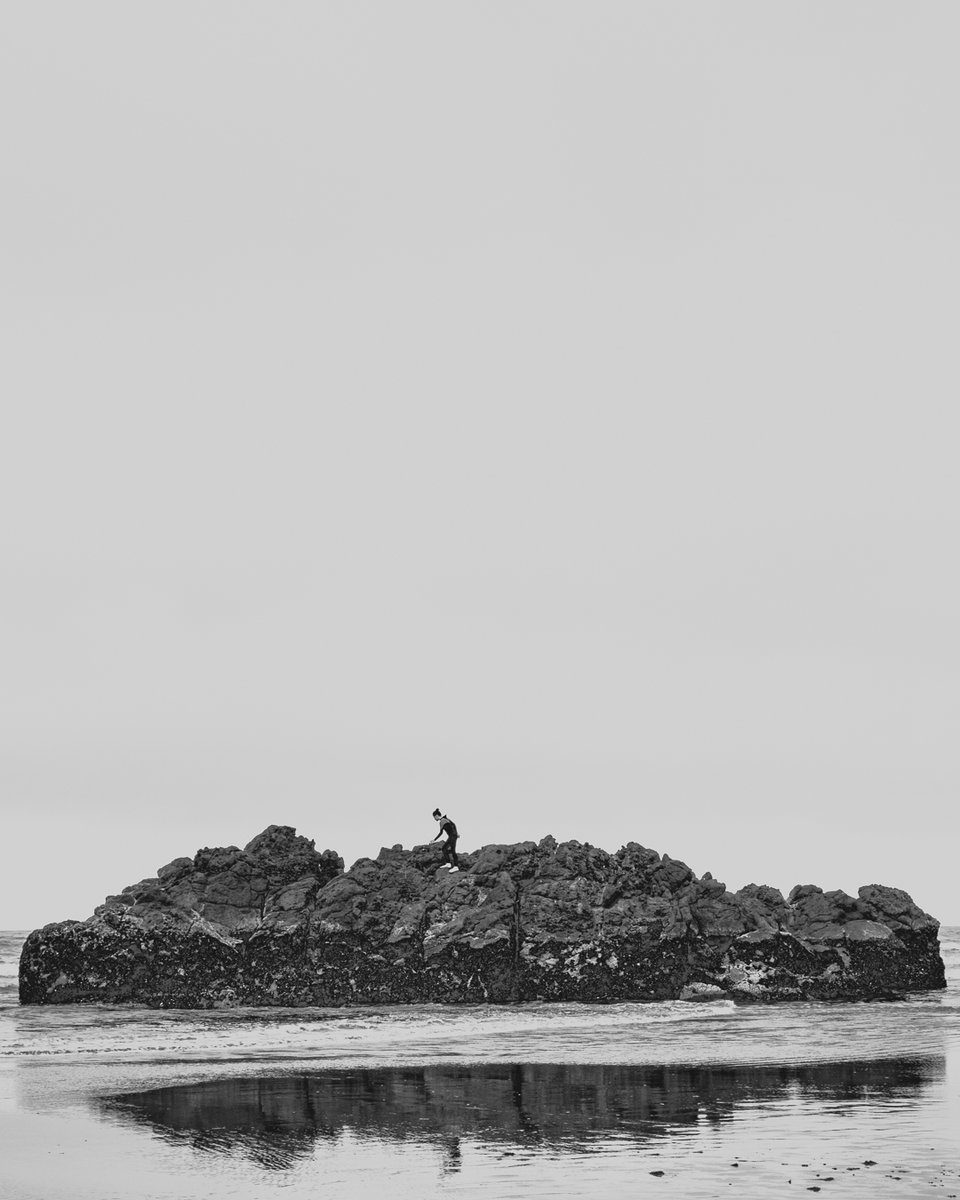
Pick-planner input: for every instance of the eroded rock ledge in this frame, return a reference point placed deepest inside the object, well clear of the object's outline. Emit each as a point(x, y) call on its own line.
point(279, 923)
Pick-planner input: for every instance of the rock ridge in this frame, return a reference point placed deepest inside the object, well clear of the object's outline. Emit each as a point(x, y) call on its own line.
point(280, 923)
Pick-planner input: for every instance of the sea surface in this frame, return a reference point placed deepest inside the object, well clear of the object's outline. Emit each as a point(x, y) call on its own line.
point(671, 1099)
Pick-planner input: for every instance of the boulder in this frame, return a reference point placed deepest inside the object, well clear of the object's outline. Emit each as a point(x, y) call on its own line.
point(279, 923)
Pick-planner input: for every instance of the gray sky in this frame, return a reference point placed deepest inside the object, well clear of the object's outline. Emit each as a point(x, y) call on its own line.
point(545, 411)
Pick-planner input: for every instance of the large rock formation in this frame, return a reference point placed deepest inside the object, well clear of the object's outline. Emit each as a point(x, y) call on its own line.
point(279, 923)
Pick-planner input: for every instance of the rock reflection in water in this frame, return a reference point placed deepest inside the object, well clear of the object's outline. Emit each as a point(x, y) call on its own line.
point(276, 1121)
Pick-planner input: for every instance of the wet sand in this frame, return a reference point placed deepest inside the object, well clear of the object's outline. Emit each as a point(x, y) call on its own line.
point(886, 1128)
point(575, 1101)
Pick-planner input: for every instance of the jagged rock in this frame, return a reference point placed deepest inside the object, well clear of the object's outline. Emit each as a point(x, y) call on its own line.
point(279, 923)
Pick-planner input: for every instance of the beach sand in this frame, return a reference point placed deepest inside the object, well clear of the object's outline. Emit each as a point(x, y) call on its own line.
point(681, 1100)
point(241, 1137)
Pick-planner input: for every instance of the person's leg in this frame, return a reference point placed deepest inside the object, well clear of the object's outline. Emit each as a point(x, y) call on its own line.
point(453, 851)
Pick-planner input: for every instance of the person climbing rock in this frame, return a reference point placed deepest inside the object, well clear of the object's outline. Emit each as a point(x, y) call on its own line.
point(450, 845)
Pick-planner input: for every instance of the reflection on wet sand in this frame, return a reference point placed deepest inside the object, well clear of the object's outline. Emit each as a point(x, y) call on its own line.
point(276, 1121)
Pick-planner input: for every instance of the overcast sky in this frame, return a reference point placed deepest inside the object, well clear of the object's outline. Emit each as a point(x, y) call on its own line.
point(547, 411)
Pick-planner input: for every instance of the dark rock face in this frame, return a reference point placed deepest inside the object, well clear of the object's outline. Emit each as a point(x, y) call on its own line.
point(279, 923)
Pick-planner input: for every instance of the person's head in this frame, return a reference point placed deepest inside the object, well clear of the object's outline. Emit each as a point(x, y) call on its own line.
point(437, 814)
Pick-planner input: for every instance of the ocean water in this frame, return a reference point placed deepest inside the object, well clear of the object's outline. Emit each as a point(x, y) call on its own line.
point(687, 1100)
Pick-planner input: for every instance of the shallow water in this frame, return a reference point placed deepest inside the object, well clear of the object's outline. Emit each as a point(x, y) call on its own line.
point(574, 1100)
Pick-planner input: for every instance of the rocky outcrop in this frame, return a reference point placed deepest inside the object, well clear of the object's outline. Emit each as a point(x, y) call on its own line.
point(279, 923)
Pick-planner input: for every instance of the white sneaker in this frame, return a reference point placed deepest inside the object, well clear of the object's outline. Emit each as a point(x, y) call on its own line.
point(452, 869)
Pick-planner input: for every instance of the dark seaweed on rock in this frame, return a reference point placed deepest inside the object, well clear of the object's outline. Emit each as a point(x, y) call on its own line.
point(279, 923)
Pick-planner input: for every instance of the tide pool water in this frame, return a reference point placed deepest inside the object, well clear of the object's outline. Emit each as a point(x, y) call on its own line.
point(686, 1099)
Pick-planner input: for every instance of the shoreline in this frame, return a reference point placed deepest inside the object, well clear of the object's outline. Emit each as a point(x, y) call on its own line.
point(82, 1151)
point(100, 1103)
